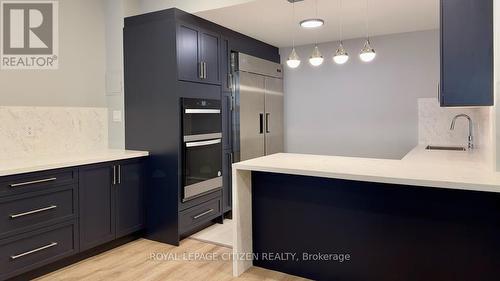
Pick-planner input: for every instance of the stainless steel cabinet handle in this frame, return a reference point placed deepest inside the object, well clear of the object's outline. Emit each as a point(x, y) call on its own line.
point(119, 174)
point(268, 116)
point(202, 143)
point(204, 70)
point(114, 175)
point(202, 111)
point(229, 81)
point(33, 212)
point(53, 244)
point(201, 69)
point(203, 214)
point(261, 123)
point(32, 182)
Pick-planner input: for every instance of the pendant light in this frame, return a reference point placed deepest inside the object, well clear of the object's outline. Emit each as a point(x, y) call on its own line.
point(293, 59)
point(316, 58)
point(341, 56)
point(367, 54)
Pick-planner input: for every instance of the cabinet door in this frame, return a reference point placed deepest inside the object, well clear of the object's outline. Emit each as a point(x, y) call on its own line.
point(252, 113)
point(129, 198)
point(97, 205)
point(188, 56)
point(227, 197)
point(274, 120)
point(210, 54)
point(466, 53)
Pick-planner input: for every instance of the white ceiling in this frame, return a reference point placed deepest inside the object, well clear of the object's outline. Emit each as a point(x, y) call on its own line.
point(271, 20)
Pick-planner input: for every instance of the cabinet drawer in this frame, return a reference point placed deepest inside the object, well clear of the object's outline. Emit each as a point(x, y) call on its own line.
point(18, 213)
point(200, 214)
point(29, 251)
point(36, 181)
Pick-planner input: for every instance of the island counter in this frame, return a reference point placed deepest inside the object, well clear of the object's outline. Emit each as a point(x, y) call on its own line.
point(395, 219)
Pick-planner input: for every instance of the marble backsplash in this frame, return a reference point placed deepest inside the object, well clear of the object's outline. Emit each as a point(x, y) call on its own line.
point(434, 124)
point(40, 131)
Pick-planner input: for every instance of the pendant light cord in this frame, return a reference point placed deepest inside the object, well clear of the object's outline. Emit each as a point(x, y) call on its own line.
point(366, 20)
point(293, 24)
point(316, 35)
point(341, 19)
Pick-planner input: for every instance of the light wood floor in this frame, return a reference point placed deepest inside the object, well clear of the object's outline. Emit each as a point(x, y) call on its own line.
point(133, 262)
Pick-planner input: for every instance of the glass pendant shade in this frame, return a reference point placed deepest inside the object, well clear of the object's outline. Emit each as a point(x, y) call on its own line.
point(316, 58)
point(367, 54)
point(293, 59)
point(341, 56)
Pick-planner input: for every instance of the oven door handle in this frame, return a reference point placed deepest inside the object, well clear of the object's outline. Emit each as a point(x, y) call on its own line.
point(202, 143)
point(202, 111)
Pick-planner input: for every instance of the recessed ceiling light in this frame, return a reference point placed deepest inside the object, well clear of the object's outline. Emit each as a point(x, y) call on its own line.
point(312, 23)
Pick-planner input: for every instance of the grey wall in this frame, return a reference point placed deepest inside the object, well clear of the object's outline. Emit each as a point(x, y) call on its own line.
point(80, 79)
point(361, 109)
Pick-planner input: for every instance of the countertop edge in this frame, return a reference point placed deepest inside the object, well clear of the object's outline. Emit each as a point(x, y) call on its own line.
point(379, 179)
point(94, 159)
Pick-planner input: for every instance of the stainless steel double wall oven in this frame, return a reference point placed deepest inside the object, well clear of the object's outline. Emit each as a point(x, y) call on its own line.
point(202, 147)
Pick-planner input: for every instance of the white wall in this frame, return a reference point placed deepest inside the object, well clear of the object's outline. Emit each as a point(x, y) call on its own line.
point(79, 81)
point(359, 109)
point(115, 11)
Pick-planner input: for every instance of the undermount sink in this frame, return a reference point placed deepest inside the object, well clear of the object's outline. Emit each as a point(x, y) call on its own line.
point(451, 148)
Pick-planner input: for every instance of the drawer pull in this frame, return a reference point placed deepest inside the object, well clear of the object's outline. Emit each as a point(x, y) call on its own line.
point(203, 214)
point(33, 212)
point(53, 244)
point(32, 182)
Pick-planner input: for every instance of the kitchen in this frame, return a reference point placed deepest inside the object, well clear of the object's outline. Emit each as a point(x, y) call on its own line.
point(147, 153)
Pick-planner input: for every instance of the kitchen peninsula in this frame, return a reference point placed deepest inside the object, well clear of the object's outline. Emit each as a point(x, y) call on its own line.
point(397, 219)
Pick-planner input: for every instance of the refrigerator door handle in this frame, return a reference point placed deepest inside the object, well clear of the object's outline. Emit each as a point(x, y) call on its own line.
point(268, 116)
point(261, 123)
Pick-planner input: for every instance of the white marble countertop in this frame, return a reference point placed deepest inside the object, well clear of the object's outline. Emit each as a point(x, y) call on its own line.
point(420, 167)
point(40, 163)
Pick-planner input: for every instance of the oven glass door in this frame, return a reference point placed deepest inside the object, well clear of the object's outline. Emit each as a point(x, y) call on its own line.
point(202, 167)
point(201, 121)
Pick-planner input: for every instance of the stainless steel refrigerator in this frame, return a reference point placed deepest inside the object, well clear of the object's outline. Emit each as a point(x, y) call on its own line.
point(257, 107)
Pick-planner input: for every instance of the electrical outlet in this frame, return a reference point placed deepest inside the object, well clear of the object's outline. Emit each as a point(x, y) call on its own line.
point(117, 116)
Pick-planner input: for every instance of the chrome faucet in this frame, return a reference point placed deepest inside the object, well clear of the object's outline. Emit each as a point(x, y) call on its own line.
point(452, 127)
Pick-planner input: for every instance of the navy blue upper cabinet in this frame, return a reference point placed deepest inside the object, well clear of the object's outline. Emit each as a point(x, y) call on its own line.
point(466, 53)
point(198, 54)
point(189, 67)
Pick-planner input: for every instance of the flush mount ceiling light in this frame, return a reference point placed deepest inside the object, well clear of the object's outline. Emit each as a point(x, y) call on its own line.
point(316, 58)
point(312, 23)
point(293, 59)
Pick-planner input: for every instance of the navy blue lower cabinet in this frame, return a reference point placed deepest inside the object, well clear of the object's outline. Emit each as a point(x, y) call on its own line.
point(97, 205)
point(111, 201)
point(130, 198)
point(348, 230)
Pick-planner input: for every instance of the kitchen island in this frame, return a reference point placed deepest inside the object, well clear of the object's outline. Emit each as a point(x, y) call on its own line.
point(431, 212)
